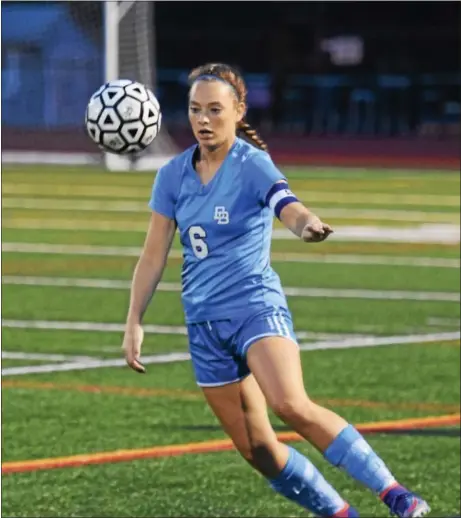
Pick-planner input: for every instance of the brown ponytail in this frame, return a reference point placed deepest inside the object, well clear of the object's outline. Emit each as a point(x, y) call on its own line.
point(234, 79)
point(251, 135)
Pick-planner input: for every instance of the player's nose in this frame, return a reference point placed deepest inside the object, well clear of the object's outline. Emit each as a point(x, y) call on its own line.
point(203, 119)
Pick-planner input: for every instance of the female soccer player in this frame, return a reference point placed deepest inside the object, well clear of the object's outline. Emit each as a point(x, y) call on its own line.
point(222, 193)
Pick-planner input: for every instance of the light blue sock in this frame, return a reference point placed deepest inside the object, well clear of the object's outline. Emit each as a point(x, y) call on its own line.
point(301, 482)
point(352, 453)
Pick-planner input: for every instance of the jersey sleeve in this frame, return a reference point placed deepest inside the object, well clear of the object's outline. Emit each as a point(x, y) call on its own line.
point(271, 185)
point(163, 199)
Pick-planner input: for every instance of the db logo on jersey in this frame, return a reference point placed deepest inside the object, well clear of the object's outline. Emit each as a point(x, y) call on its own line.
point(221, 215)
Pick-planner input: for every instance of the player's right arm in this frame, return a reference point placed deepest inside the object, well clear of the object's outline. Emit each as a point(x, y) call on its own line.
point(146, 277)
point(151, 264)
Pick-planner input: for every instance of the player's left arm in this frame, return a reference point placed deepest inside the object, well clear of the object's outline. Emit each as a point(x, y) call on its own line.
point(273, 191)
point(295, 216)
point(304, 223)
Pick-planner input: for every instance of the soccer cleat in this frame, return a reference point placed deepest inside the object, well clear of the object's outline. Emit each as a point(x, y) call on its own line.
point(404, 503)
point(346, 512)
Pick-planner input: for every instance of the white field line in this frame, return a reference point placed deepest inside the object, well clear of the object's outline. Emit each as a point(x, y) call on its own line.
point(301, 335)
point(127, 251)
point(93, 364)
point(443, 234)
point(146, 163)
point(82, 283)
point(13, 355)
point(44, 157)
point(425, 233)
point(142, 193)
point(289, 291)
point(389, 215)
point(56, 357)
point(89, 326)
point(139, 207)
point(148, 328)
point(381, 260)
point(375, 341)
point(74, 224)
point(372, 294)
point(177, 357)
point(449, 322)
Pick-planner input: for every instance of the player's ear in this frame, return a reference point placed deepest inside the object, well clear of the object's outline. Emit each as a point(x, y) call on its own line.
point(241, 111)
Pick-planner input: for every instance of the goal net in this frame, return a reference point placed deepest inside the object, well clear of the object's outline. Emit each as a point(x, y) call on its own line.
point(55, 56)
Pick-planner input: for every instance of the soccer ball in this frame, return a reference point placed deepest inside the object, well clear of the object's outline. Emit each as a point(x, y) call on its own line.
point(123, 117)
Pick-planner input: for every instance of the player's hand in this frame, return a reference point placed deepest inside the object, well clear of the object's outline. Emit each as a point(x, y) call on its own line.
point(132, 341)
point(315, 230)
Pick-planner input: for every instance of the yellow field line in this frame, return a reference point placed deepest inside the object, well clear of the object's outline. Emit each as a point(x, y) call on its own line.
point(138, 207)
point(202, 447)
point(310, 196)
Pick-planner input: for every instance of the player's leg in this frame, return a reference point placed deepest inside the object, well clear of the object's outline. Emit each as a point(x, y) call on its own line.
point(276, 365)
point(239, 404)
point(284, 388)
point(242, 412)
point(275, 362)
point(241, 409)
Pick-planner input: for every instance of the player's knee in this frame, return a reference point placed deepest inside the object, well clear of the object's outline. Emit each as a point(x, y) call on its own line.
point(294, 410)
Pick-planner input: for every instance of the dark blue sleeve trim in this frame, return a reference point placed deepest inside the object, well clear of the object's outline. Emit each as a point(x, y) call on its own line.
point(279, 186)
point(283, 203)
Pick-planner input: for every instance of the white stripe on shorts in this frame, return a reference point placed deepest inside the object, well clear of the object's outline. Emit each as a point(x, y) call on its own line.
point(284, 326)
point(277, 325)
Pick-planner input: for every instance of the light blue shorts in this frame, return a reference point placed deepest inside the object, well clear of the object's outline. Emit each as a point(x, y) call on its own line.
point(218, 348)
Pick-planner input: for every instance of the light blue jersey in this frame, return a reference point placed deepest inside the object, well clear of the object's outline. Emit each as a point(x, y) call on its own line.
point(225, 229)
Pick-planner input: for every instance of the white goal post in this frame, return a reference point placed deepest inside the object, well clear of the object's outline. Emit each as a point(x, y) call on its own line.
point(82, 45)
point(133, 21)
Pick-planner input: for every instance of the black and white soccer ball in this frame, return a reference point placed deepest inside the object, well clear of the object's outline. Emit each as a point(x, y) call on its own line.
point(123, 116)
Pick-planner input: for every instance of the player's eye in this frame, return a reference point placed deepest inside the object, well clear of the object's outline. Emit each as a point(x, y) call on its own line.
point(216, 110)
point(194, 109)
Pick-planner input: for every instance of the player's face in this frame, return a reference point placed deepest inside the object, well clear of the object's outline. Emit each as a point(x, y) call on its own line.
point(213, 113)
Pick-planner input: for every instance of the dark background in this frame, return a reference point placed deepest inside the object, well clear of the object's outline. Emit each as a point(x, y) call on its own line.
point(407, 83)
point(399, 37)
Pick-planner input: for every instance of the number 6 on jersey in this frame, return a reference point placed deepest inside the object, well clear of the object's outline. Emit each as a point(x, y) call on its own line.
point(196, 235)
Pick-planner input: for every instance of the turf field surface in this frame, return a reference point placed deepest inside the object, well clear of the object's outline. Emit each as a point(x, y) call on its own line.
point(376, 310)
